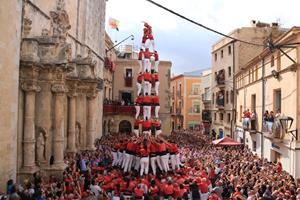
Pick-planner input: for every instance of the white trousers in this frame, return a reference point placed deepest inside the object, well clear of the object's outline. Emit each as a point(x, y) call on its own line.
point(122, 159)
point(147, 87)
point(139, 88)
point(147, 65)
point(153, 161)
point(158, 132)
point(174, 162)
point(144, 165)
point(137, 163)
point(165, 162)
point(137, 111)
point(146, 112)
point(128, 162)
point(156, 111)
point(136, 132)
point(115, 158)
point(156, 87)
point(156, 66)
point(140, 66)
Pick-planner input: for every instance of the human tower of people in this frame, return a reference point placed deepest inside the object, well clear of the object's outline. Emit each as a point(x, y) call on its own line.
point(146, 149)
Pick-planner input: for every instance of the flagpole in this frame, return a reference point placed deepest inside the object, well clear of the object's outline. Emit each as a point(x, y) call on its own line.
point(131, 36)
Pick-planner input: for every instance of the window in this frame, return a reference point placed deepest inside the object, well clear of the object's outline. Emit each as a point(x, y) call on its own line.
point(213, 98)
point(206, 93)
point(227, 97)
point(195, 89)
point(241, 113)
point(179, 90)
point(109, 94)
point(272, 61)
point(196, 107)
point(278, 61)
point(254, 146)
point(221, 116)
point(231, 96)
point(221, 53)
point(249, 76)
point(256, 72)
point(253, 102)
point(277, 100)
point(228, 117)
point(229, 71)
point(215, 116)
point(229, 50)
point(128, 73)
point(104, 92)
point(216, 56)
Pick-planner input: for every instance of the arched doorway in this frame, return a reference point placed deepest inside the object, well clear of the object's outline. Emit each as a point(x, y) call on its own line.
point(125, 126)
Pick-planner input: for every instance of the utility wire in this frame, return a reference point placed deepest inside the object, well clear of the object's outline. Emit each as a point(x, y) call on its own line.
point(203, 26)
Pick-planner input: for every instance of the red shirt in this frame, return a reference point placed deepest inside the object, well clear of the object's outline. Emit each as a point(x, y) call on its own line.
point(147, 77)
point(147, 54)
point(141, 54)
point(153, 191)
point(140, 78)
point(162, 147)
point(155, 99)
point(130, 146)
point(203, 186)
point(153, 148)
point(155, 77)
point(139, 192)
point(247, 114)
point(137, 122)
point(156, 123)
point(147, 124)
point(147, 100)
point(156, 56)
point(139, 100)
point(143, 152)
point(168, 189)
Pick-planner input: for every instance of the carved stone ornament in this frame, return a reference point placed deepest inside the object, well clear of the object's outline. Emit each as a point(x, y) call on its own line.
point(26, 26)
point(86, 66)
point(30, 87)
point(92, 94)
point(59, 88)
point(60, 20)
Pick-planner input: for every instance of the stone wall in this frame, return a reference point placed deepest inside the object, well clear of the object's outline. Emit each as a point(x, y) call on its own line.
point(10, 38)
point(53, 99)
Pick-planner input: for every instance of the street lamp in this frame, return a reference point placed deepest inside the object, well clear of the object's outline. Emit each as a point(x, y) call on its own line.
point(130, 36)
point(286, 124)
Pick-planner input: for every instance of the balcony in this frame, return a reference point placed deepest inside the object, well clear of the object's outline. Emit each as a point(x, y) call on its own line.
point(273, 131)
point(250, 125)
point(220, 78)
point(206, 116)
point(114, 109)
point(128, 81)
point(220, 100)
point(205, 98)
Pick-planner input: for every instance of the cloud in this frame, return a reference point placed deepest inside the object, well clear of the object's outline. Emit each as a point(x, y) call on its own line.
point(186, 45)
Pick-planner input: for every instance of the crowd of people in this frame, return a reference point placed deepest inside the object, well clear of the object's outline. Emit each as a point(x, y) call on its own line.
point(204, 172)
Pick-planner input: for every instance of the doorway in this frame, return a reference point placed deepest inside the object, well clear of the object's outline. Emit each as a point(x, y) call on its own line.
point(125, 127)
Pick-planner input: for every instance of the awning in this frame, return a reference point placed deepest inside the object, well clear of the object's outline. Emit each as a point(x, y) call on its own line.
point(226, 141)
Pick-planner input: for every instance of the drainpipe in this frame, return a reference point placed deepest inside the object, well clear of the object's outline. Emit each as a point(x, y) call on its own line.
point(233, 111)
point(263, 105)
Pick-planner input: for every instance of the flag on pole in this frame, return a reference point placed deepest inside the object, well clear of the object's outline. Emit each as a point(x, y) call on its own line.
point(113, 23)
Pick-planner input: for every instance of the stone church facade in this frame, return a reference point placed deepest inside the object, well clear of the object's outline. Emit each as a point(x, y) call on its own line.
point(51, 83)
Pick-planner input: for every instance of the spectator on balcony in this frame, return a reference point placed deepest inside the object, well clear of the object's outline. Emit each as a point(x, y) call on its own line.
point(140, 60)
point(147, 81)
point(247, 116)
point(220, 98)
point(253, 120)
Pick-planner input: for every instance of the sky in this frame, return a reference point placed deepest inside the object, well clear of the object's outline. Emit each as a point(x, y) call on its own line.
point(186, 45)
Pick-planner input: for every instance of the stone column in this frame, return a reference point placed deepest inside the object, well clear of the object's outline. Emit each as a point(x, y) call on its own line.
point(71, 146)
point(91, 129)
point(58, 133)
point(29, 127)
